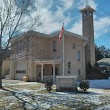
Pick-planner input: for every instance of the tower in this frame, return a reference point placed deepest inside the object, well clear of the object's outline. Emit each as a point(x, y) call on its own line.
point(88, 31)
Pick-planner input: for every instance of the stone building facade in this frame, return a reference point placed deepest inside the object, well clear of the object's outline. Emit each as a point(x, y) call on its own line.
point(39, 56)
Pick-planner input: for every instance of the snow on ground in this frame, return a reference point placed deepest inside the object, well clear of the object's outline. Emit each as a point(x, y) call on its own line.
point(20, 83)
point(99, 84)
point(59, 100)
point(97, 98)
point(106, 107)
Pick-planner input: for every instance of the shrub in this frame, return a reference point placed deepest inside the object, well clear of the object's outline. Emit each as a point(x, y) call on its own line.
point(48, 85)
point(84, 85)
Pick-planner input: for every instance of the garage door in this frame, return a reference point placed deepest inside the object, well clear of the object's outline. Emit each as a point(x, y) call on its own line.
point(20, 70)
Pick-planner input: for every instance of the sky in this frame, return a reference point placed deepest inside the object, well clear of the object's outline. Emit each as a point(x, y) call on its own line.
point(57, 12)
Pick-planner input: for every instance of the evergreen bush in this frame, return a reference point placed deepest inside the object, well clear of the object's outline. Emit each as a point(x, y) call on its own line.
point(84, 85)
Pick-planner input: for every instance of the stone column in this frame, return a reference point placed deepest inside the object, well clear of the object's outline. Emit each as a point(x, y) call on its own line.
point(41, 72)
point(53, 72)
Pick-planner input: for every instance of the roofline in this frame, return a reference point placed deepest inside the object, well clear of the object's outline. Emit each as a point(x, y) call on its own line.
point(70, 34)
point(47, 61)
point(87, 8)
point(14, 39)
point(23, 35)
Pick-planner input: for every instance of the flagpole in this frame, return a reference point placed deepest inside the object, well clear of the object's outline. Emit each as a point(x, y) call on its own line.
point(63, 52)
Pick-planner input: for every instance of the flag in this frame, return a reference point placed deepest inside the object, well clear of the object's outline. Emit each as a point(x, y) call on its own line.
point(61, 33)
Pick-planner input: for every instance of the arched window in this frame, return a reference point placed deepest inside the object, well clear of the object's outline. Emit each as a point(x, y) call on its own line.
point(90, 13)
point(85, 13)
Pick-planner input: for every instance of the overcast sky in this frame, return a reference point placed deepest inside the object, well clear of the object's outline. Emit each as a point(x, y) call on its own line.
point(55, 12)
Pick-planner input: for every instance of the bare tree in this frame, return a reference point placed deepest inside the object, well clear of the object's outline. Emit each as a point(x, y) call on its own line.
point(16, 17)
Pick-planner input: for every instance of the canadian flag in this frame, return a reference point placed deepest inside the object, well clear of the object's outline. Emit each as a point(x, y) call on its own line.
point(61, 33)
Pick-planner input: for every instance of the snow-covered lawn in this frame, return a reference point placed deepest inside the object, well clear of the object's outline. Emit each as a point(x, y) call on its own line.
point(32, 96)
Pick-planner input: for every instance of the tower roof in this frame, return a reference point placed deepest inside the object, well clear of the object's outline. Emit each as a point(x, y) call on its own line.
point(87, 8)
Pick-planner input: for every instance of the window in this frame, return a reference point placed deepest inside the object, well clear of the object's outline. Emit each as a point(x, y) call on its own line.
point(54, 46)
point(78, 55)
point(23, 71)
point(73, 46)
point(69, 67)
point(20, 71)
point(90, 13)
point(85, 13)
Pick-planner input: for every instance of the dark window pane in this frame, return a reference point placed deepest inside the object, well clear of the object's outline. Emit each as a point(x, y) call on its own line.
point(54, 46)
